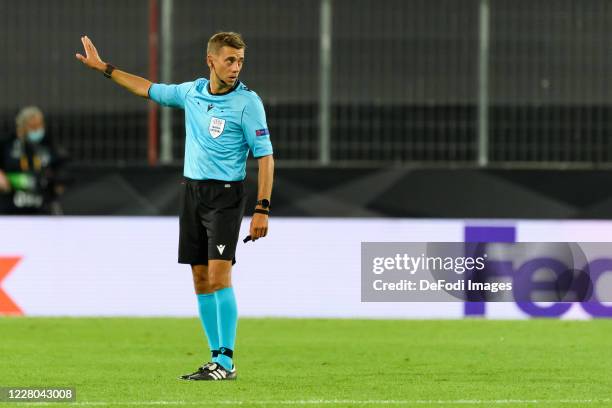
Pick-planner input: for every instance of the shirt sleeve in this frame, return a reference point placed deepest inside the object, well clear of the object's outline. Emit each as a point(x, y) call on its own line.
point(170, 95)
point(255, 128)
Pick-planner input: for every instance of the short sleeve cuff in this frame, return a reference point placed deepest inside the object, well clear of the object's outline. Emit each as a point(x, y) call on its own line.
point(155, 93)
point(262, 153)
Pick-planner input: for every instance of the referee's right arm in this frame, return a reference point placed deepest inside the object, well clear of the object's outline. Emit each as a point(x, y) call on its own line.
point(135, 84)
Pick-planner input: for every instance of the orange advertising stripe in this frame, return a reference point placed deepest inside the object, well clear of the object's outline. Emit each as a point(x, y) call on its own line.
point(7, 306)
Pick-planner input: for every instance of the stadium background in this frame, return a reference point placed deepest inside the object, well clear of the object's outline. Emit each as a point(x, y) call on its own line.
point(425, 99)
point(475, 111)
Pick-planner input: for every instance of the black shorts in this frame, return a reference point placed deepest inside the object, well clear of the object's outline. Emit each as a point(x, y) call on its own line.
point(211, 213)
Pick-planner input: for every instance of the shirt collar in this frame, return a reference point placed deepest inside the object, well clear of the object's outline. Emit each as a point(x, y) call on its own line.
point(233, 88)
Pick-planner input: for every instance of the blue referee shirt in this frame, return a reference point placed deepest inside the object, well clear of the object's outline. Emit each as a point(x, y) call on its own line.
point(220, 128)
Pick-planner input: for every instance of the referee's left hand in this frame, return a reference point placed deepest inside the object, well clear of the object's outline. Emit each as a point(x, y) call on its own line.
point(259, 226)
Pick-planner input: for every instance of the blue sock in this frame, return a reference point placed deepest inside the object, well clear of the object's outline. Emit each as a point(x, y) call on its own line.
point(227, 320)
point(208, 315)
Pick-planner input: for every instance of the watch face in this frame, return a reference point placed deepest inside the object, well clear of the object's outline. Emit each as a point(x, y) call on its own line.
point(265, 203)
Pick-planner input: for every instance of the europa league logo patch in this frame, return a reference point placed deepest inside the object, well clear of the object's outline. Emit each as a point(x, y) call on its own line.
point(216, 127)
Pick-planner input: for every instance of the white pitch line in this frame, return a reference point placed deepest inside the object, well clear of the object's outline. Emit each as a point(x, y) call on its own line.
point(336, 402)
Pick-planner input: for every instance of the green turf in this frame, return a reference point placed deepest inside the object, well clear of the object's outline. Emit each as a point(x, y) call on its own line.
point(294, 362)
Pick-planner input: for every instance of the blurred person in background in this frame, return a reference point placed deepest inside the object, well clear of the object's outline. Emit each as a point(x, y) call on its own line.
point(30, 168)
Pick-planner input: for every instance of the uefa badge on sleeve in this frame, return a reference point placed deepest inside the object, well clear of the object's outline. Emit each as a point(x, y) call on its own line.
point(216, 127)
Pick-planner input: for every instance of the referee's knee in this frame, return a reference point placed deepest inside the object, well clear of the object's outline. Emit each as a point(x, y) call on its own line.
point(218, 281)
point(201, 281)
point(210, 283)
point(202, 287)
point(218, 286)
point(209, 287)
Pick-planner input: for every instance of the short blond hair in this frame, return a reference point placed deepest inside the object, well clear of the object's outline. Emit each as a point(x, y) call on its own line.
point(225, 38)
point(25, 114)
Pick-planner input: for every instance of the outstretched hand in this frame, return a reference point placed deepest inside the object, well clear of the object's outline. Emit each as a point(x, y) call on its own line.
point(92, 58)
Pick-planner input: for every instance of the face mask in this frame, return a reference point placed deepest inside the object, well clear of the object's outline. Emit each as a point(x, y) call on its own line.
point(35, 136)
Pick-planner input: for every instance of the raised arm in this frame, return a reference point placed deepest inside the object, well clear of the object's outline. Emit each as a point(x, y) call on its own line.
point(135, 84)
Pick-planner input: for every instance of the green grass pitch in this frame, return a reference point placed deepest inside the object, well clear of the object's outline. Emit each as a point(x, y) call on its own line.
point(310, 362)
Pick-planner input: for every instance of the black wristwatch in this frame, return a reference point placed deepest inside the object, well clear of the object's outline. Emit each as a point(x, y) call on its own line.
point(109, 70)
point(265, 203)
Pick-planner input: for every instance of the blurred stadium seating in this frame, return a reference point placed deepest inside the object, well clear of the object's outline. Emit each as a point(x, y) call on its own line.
point(404, 77)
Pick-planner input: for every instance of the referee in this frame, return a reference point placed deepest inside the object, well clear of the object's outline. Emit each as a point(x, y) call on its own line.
point(223, 121)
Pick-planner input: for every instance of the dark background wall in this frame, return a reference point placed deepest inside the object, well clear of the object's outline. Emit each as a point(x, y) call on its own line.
point(362, 192)
point(404, 76)
point(404, 93)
